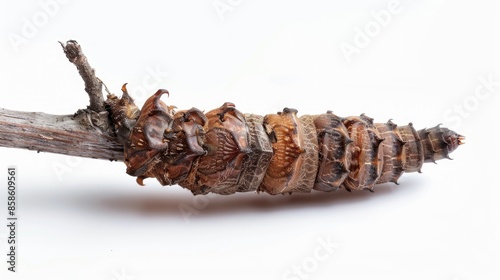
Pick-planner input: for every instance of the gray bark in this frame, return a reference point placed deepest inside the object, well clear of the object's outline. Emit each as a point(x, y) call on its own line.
point(73, 135)
point(93, 86)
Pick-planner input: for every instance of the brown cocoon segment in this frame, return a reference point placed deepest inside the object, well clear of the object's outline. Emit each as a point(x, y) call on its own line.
point(334, 152)
point(392, 147)
point(438, 142)
point(367, 158)
point(227, 146)
point(412, 150)
point(295, 153)
point(259, 157)
point(146, 140)
point(224, 151)
point(185, 144)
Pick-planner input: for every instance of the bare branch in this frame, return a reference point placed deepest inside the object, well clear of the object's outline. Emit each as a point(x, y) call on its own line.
point(87, 133)
point(67, 134)
point(93, 86)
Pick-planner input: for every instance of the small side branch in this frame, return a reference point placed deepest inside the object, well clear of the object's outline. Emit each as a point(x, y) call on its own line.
point(93, 86)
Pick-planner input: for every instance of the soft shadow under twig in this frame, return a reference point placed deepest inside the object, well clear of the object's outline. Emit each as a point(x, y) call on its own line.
point(170, 203)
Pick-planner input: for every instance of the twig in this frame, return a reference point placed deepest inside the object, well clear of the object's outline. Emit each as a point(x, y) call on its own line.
point(93, 85)
point(87, 133)
point(68, 135)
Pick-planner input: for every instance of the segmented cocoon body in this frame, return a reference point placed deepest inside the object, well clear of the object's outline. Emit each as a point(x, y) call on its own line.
point(225, 151)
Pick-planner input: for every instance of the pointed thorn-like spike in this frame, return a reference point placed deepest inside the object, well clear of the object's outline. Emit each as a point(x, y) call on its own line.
point(125, 94)
point(161, 91)
point(140, 180)
point(124, 88)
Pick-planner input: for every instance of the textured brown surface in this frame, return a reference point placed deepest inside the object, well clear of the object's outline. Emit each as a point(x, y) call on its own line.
point(392, 147)
point(224, 151)
point(260, 157)
point(295, 157)
point(227, 145)
point(334, 152)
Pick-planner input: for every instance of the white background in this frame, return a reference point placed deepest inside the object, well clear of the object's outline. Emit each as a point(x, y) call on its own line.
point(87, 219)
